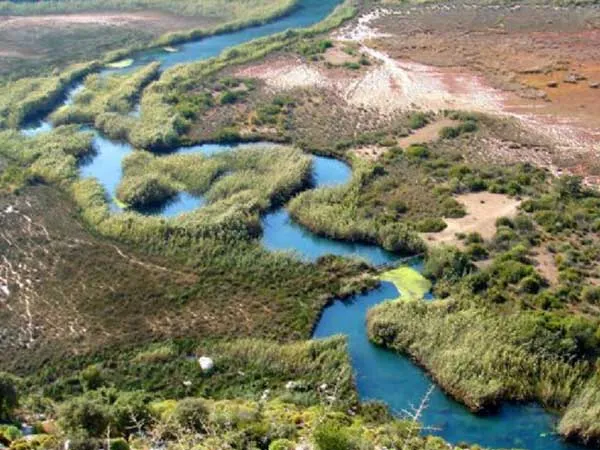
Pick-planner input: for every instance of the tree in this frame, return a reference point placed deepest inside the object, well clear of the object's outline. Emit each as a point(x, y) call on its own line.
point(9, 397)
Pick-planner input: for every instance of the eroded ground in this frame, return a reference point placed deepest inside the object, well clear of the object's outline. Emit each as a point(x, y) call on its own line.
point(532, 67)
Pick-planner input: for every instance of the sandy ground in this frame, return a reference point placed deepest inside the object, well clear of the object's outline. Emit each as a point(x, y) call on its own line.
point(545, 264)
point(483, 209)
point(80, 19)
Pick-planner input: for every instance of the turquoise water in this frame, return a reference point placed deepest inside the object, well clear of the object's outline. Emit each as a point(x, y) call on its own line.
point(384, 375)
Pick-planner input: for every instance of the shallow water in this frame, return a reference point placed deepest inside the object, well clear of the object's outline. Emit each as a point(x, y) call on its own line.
point(384, 375)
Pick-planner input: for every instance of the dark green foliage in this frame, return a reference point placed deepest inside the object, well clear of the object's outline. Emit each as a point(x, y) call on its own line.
point(9, 397)
point(87, 414)
point(446, 263)
point(417, 151)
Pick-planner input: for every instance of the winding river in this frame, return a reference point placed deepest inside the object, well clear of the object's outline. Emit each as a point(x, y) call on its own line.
point(380, 374)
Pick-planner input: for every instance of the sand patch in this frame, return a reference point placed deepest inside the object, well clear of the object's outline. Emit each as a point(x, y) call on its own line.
point(58, 20)
point(483, 208)
point(545, 264)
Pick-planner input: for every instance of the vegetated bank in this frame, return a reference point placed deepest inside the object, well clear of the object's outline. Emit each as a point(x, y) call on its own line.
point(502, 331)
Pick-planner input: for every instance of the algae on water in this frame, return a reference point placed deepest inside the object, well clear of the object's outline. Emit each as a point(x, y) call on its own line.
point(410, 283)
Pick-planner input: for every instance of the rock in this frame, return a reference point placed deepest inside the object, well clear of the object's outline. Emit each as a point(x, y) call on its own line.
point(323, 387)
point(291, 385)
point(552, 84)
point(595, 84)
point(206, 363)
point(187, 383)
point(571, 79)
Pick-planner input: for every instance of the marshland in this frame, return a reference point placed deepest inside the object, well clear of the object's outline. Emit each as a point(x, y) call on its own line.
point(299, 225)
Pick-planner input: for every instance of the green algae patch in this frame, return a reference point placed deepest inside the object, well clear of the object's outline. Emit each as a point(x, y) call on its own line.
point(120, 64)
point(410, 283)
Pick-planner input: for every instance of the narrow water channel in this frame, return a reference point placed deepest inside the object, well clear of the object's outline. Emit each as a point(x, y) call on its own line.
point(380, 374)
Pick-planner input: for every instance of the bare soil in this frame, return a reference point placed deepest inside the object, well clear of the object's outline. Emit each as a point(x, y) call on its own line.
point(483, 209)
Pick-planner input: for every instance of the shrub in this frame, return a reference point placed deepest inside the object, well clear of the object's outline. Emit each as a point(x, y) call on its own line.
point(282, 444)
point(129, 411)
point(477, 252)
point(446, 263)
point(118, 444)
point(9, 398)
point(417, 120)
point(417, 151)
point(331, 436)
point(91, 377)
point(449, 132)
point(591, 294)
point(191, 413)
point(228, 97)
point(145, 190)
point(431, 225)
point(85, 414)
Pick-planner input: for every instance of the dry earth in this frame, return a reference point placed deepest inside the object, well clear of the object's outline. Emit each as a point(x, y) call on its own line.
point(496, 60)
point(483, 209)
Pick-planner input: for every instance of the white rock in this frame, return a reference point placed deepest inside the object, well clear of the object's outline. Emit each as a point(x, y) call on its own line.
point(187, 383)
point(290, 385)
point(206, 363)
point(323, 386)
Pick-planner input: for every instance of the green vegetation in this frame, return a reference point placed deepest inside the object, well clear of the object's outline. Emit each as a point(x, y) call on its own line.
point(258, 395)
point(9, 398)
point(28, 98)
point(101, 95)
point(479, 357)
point(505, 332)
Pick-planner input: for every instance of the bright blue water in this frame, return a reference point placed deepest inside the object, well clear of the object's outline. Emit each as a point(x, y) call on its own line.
point(384, 375)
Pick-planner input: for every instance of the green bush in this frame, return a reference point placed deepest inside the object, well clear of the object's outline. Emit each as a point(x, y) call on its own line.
point(86, 414)
point(417, 120)
point(9, 397)
point(431, 225)
point(417, 151)
point(331, 436)
point(591, 294)
point(191, 414)
point(446, 263)
point(118, 444)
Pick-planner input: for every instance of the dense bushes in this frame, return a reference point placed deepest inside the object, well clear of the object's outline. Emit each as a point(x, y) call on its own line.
point(9, 397)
